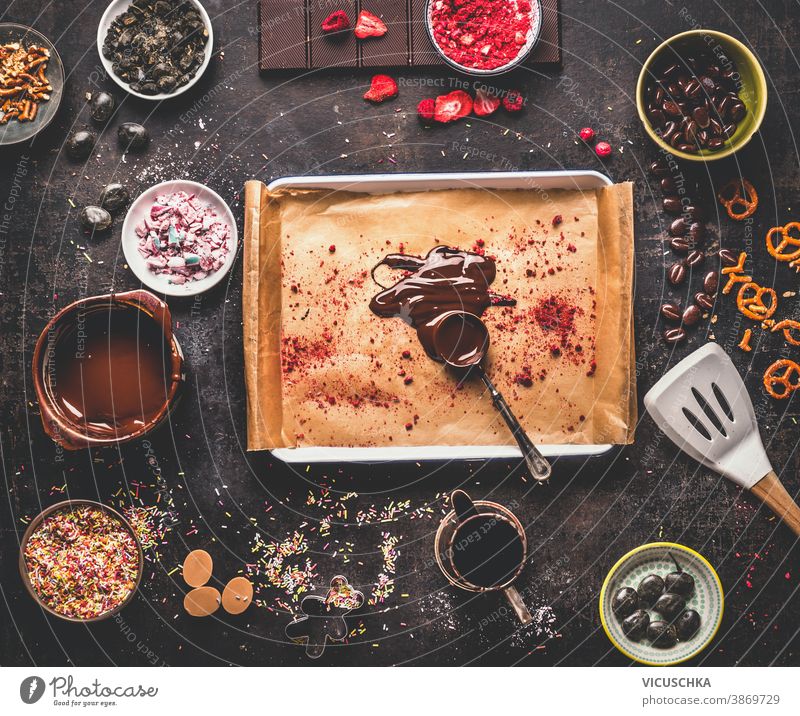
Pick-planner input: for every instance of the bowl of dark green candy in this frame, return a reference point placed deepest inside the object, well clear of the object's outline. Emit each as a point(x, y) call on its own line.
point(155, 49)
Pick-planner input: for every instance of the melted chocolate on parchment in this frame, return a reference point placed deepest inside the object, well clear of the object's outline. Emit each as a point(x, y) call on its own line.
point(445, 280)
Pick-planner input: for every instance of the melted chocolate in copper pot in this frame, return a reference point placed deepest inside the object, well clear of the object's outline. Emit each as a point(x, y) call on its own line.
point(445, 280)
point(111, 370)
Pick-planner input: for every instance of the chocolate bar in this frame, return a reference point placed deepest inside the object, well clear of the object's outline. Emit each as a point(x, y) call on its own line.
point(291, 36)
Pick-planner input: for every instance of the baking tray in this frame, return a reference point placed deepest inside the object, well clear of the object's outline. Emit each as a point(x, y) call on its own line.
point(392, 183)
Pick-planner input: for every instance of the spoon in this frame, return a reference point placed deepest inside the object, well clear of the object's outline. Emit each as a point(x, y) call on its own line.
point(461, 341)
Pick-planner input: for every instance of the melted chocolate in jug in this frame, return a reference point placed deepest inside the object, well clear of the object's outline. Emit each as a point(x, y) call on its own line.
point(111, 370)
point(445, 280)
point(487, 550)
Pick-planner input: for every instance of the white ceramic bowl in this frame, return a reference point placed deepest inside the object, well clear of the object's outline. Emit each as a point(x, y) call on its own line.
point(708, 600)
point(117, 7)
point(140, 209)
point(533, 37)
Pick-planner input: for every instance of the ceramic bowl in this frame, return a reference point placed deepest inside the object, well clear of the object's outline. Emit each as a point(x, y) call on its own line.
point(533, 37)
point(23, 570)
point(752, 90)
point(141, 209)
point(117, 7)
point(13, 132)
point(708, 600)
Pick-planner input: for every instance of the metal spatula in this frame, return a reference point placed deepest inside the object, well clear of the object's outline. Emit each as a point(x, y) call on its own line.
point(702, 405)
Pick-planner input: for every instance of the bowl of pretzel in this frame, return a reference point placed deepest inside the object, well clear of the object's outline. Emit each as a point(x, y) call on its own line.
point(31, 82)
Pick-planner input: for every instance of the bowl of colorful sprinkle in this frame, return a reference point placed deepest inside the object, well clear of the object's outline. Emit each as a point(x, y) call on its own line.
point(484, 37)
point(81, 561)
point(179, 238)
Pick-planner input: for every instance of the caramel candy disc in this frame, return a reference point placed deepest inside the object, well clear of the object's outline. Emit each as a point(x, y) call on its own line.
point(197, 568)
point(202, 601)
point(237, 595)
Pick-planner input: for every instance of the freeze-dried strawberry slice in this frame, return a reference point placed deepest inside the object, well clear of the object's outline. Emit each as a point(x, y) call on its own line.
point(426, 110)
point(485, 103)
point(452, 106)
point(369, 25)
point(381, 88)
point(336, 22)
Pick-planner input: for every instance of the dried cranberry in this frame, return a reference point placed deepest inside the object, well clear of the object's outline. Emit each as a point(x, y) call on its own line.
point(602, 149)
point(513, 101)
point(425, 110)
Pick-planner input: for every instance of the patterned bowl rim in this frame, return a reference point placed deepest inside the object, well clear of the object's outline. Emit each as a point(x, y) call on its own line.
point(665, 545)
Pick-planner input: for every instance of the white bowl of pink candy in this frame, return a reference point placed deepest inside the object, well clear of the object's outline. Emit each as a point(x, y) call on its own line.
point(179, 238)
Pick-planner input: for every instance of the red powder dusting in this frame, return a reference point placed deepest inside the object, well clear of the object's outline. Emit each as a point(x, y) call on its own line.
point(524, 378)
point(297, 352)
point(555, 314)
point(484, 34)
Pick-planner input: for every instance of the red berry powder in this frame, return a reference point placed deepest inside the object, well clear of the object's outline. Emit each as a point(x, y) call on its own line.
point(483, 34)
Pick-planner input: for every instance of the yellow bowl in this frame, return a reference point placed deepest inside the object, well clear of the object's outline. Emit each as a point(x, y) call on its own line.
point(752, 89)
point(708, 600)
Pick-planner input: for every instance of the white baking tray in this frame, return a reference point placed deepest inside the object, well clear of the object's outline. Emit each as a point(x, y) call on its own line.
point(391, 183)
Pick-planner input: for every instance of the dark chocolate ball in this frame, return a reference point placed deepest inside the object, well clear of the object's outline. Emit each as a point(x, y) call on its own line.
point(635, 625)
point(680, 583)
point(650, 589)
point(95, 218)
point(80, 145)
point(625, 602)
point(133, 137)
point(662, 635)
point(687, 624)
point(102, 106)
point(669, 605)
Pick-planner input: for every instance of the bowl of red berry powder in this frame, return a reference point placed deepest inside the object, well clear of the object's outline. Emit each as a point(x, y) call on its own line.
point(484, 37)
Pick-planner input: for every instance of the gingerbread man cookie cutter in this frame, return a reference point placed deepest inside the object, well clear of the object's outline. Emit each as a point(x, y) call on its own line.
point(323, 618)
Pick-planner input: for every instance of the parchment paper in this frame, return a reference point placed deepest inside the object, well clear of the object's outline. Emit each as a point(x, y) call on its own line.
point(322, 370)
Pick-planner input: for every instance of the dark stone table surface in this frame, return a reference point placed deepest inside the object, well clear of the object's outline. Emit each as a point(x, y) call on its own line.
point(237, 125)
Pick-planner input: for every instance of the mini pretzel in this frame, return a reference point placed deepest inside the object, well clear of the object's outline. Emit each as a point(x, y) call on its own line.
point(753, 307)
point(744, 344)
point(778, 250)
point(787, 326)
point(733, 279)
point(780, 373)
point(739, 193)
point(732, 271)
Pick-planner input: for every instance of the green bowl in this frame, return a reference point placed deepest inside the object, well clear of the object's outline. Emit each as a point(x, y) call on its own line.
point(753, 88)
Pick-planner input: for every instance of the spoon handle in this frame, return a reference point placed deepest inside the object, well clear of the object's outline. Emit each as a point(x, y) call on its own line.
point(515, 600)
point(536, 462)
point(770, 490)
point(463, 505)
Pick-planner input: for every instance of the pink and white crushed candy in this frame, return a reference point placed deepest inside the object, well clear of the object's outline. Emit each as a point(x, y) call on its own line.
point(183, 238)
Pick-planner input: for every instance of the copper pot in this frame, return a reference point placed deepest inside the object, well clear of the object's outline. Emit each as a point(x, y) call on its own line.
point(64, 428)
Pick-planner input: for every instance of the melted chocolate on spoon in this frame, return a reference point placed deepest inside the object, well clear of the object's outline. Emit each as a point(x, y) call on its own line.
point(446, 280)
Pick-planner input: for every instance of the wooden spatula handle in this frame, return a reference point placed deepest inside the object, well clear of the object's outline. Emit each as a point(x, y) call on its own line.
point(770, 490)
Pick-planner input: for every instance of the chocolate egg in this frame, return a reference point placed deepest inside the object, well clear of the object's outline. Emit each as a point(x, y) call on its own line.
point(237, 595)
point(197, 568)
point(202, 601)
